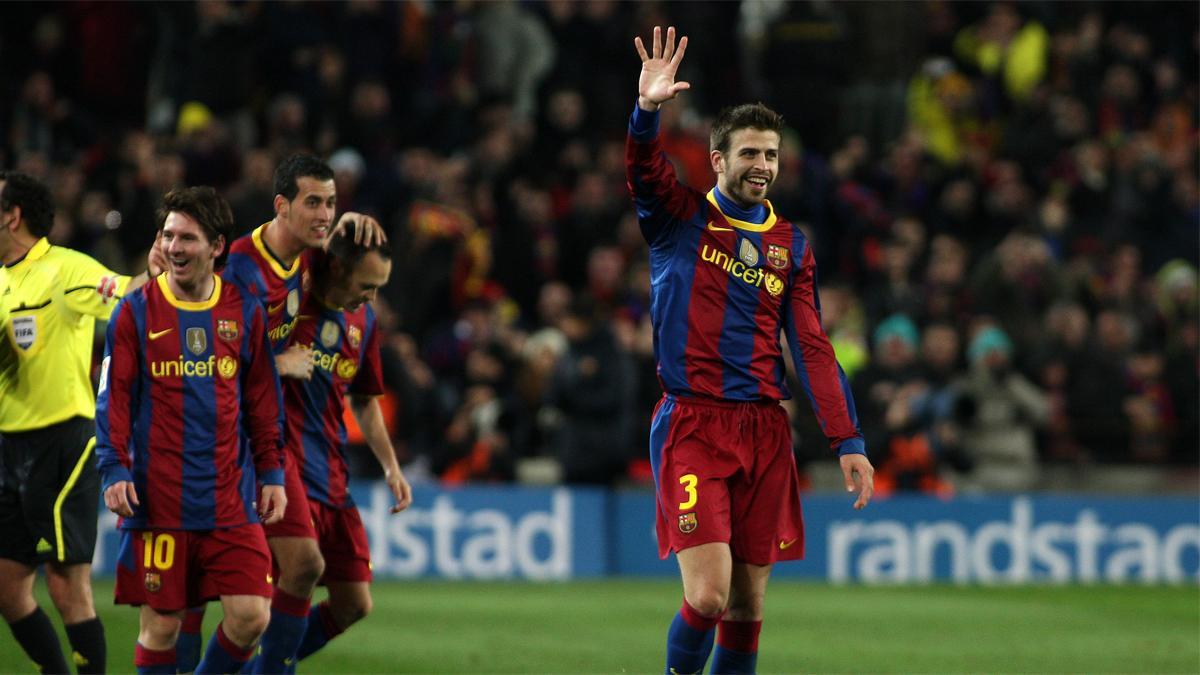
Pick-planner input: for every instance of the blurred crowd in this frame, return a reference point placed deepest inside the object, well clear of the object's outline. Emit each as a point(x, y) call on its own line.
point(1002, 198)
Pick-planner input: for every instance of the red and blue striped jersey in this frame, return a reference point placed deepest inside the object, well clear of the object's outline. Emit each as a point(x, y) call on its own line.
point(722, 292)
point(345, 352)
point(181, 382)
point(281, 290)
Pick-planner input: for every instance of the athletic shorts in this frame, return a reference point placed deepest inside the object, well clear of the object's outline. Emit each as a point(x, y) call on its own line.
point(297, 521)
point(343, 542)
point(171, 570)
point(49, 494)
point(725, 472)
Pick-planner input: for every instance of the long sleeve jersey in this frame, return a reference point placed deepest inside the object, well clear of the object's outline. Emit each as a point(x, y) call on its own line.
point(345, 353)
point(180, 383)
point(722, 292)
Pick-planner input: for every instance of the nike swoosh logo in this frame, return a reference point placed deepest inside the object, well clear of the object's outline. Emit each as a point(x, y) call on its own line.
point(275, 309)
point(784, 545)
point(154, 335)
point(714, 228)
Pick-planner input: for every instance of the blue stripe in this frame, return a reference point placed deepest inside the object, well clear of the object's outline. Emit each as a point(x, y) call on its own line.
point(199, 428)
point(660, 429)
point(139, 440)
point(671, 279)
point(736, 344)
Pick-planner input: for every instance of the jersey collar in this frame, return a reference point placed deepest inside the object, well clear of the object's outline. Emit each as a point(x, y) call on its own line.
point(188, 305)
point(39, 249)
point(276, 266)
point(742, 224)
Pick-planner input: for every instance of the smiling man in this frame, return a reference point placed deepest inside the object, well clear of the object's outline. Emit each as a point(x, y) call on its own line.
point(338, 324)
point(190, 527)
point(728, 277)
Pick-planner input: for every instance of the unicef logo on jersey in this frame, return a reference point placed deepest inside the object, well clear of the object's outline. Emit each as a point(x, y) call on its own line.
point(755, 276)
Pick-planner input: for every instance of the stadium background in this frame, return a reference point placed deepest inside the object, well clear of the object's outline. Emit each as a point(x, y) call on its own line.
point(1030, 167)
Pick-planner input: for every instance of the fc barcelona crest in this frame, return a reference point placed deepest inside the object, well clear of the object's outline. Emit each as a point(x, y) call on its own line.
point(777, 256)
point(197, 340)
point(354, 335)
point(227, 329)
point(329, 334)
point(748, 253)
point(153, 582)
point(687, 523)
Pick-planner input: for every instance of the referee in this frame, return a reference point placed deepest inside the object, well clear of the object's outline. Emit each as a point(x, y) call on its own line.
point(49, 488)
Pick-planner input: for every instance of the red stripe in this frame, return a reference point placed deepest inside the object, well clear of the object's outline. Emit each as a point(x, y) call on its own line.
point(164, 467)
point(767, 350)
point(706, 313)
point(739, 636)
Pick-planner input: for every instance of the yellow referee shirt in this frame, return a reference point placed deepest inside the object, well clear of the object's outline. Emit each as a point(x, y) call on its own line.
point(52, 298)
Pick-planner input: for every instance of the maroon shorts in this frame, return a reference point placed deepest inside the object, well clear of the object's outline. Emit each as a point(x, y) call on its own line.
point(725, 472)
point(297, 522)
point(343, 541)
point(171, 570)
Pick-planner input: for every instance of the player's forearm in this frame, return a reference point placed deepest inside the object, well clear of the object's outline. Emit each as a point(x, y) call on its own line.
point(374, 430)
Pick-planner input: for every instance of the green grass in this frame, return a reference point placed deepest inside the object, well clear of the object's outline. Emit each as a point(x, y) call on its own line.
point(619, 626)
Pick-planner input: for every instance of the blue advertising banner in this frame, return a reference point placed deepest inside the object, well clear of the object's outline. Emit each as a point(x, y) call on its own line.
point(563, 533)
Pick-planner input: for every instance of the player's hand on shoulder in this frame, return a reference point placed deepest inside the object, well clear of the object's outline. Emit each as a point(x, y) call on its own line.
point(400, 488)
point(272, 504)
point(859, 476)
point(295, 362)
point(120, 498)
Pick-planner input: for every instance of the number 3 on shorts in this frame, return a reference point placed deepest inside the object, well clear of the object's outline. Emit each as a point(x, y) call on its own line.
point(688, 481)
point(159, 551)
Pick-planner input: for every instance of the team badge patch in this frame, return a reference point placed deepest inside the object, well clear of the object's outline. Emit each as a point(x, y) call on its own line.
point(346, 369)
point(354, 335)
point(773, 283)
point(227, 329)
point(748, 253)
point(329, 334)
point(153, 582)
point(227, 366)
point(687, 523)
point(777, 256)
point(293, 302)
point(197, 340)
point(24, 329)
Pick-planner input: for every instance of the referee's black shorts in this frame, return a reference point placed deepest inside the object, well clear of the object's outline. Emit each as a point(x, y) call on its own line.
point(49, 494)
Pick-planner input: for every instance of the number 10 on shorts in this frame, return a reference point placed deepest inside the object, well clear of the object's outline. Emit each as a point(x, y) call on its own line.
point(158, 551)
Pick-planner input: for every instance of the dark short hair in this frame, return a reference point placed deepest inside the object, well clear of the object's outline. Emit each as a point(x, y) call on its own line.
point(341, 247)
point(291, 170)
point(207, 208)
point(745, 116)
point(27, 192)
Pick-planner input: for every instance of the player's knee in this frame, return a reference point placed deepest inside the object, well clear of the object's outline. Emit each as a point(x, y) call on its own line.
point(245, 625)
point(159, 631)
point(352, 610)
point(708, 601)
point(745, 607)
point(71, 593)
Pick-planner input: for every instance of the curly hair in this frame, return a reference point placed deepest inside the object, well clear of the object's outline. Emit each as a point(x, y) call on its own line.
point(27, 192)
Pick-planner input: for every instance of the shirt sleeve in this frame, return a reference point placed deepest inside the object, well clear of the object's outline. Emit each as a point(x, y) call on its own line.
point(114, 398)
point(660, 199)
point(369, 379)
point(262, 399)
point(91, 288)
point(817, 368)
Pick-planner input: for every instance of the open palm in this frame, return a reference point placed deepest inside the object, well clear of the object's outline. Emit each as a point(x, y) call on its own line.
point(657, 84)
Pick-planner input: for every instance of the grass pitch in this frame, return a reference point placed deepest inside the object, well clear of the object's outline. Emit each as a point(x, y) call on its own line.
point(620, 626)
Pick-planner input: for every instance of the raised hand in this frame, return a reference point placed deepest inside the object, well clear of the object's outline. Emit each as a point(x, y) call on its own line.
point(657, 84)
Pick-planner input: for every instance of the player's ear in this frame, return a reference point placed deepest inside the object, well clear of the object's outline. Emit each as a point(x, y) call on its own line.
point(281, 206)
point(718, 161)
point(218, 245)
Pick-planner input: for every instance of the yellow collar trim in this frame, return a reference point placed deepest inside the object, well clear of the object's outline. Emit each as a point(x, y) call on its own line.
point(40, 248)
point(188, 305)
point(283, 273)
point(742, 224)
